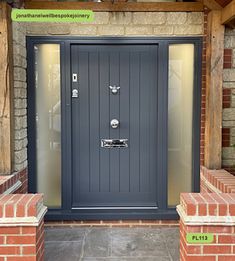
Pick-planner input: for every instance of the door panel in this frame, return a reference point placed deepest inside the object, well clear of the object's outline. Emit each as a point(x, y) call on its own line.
point(115, 177)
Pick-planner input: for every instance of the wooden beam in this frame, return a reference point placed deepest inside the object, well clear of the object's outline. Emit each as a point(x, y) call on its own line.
point(5, 90)
point(118, 6)
point(214, 79)
point(228, 13)
point(210, 4)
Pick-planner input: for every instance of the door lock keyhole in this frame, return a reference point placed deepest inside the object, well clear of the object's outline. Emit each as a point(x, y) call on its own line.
point(114, 123)
point(74, 93)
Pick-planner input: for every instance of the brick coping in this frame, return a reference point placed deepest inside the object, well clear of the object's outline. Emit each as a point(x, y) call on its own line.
point(24, 221)
point(21, 210)
point(209, 185)
point(205, 220)
point(9, 183)
point(207, 208)
point(218, 180)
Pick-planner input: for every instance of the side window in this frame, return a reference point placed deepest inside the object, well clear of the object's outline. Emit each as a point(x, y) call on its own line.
point(180, 120)
point(48, 122)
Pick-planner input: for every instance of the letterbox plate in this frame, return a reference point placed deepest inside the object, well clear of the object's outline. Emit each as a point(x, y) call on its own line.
point(114, 143)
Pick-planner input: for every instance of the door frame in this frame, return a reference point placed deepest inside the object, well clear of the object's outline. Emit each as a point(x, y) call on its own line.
point(65, 212)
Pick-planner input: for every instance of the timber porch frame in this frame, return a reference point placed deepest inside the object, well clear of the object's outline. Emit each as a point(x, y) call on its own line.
point(218, 17)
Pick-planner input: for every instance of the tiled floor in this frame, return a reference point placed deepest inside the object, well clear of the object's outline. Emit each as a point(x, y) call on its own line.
point(112, 244)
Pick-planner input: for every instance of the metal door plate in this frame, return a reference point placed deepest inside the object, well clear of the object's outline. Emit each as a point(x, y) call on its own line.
point(114, 143)
point(75, 77)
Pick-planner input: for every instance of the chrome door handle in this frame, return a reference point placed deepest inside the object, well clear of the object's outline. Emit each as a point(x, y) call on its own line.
point(114, 89)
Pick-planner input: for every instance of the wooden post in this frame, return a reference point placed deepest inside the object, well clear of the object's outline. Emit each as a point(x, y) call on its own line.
point(6, 78)
point(214, 79)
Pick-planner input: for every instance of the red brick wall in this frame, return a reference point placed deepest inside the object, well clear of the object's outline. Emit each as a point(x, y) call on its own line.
point(226, 136)
point(9, 181)
point(22, 233)
point(221, 249)
point(22, 243)
point(227, 104)
point(228, 58)
point(219, 181)
point(208, 213)
point(23, 177)
point(114, 223)
point(203, 93)
point(40, 241)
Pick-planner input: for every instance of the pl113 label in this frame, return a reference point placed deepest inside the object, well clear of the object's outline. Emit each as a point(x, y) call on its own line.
point(199, 238)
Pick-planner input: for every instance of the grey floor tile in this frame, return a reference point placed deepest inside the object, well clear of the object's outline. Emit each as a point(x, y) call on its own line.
point(170, 233)
point(128, 259)
point(174, 251)
point(112, 244)
point(64, 234)
point(97, 243)
point(138, 242)
point(61, 251)
point(172, 241)
point(175, 255)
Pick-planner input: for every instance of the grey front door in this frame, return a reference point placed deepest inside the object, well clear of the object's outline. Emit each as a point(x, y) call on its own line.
point(115, 177)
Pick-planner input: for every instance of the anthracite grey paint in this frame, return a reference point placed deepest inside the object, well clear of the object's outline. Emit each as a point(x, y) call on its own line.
point(160, 45)
point(123, 177)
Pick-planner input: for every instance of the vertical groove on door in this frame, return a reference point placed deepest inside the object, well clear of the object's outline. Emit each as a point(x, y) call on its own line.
point(114, 114)
point(118, 84)
point(109, 128)
point(147, 108)
point(129, 124)
point(89, 121)
point(153, 123)
point(139, 119)
point(84, 123)
point(150, 114)
point(134, 121)
point(94, 120)
point(99, 114)
point(144, 120)
point(124, 111)
point(104, 120)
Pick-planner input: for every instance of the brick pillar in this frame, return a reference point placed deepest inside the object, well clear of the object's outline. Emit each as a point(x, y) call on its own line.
point(22, 227)
point(207, 213)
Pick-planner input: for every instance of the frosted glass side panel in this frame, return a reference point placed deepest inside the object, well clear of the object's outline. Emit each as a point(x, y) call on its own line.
point(48, 122)
point(180, 119)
